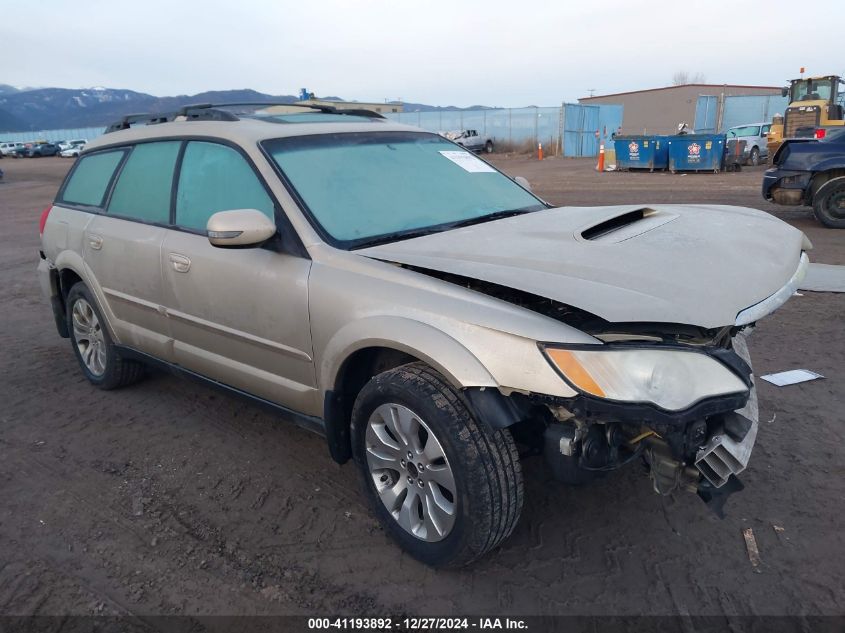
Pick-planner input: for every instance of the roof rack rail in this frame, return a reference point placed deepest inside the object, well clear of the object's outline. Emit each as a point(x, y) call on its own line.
point(125, 122)
point(212, 112)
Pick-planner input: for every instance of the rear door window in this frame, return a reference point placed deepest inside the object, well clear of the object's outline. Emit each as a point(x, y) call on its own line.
point(142, 191)
point(214, 177)
point(90, 178)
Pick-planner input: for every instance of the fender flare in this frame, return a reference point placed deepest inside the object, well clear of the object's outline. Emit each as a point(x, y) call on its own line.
point(442, 352)
point(69, 260)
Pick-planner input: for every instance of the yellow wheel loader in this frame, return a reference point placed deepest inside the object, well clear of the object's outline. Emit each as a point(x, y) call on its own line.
point(815, 104)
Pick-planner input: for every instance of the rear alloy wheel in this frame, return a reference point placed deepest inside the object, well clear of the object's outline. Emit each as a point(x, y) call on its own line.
point(488, 147)
point(98, 357)
point(829, 203)
point(446, 487)
point(754, 157)
point(88, 337)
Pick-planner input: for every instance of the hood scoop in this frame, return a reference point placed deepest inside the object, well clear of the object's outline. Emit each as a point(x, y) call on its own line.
point(625, 226)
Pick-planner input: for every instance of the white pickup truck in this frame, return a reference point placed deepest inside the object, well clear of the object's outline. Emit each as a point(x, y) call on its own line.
point(471, 140)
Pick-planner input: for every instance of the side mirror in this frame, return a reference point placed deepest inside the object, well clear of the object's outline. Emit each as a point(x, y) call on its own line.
point(523, 182)
point(239, 228)
point(784, 92)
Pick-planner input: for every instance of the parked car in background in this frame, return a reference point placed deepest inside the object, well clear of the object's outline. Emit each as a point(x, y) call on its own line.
point(64, 145)
point(37, 150)
point(471, 140)
point(810, 172)
point(754, 135)
point(8, 148)
point(72, 151)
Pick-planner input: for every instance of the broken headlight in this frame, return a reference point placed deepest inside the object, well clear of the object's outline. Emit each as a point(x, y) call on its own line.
point(668, 378)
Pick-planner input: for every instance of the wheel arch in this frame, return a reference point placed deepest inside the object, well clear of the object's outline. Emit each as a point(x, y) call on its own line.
point(71, 270)
point(367, 347)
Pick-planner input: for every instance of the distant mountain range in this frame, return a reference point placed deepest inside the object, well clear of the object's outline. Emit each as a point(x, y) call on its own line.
point(25, 109)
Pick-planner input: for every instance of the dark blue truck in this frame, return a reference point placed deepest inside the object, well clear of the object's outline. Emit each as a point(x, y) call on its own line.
point(811, 172)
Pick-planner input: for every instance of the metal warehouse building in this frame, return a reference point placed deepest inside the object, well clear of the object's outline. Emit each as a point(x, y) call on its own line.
point(660, 110)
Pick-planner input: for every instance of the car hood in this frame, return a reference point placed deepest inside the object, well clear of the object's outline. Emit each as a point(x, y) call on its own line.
point(695, 265)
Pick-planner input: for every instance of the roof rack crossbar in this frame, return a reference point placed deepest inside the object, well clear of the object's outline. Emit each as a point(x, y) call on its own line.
point(212, 112)
point(327, 109)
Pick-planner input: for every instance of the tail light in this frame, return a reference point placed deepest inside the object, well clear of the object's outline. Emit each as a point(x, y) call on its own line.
point(43, 220)
point(819, 133)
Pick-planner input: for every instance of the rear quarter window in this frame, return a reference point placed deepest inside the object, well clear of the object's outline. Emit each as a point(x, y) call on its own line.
point(89, 180)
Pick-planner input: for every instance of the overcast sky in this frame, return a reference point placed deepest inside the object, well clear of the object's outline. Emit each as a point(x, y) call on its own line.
point(457, 52)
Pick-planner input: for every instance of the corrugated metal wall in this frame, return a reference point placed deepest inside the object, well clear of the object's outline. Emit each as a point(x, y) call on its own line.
point(572, 126)
point(67, 134)
point(712, 112)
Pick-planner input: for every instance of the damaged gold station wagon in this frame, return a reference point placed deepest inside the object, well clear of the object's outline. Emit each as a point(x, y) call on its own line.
point(426, 313)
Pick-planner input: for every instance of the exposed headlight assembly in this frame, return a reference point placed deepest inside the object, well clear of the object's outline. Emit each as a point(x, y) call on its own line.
point(668, 378)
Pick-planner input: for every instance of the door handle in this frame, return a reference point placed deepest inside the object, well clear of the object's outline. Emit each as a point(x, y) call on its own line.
point(95, 241)
point(181, 264)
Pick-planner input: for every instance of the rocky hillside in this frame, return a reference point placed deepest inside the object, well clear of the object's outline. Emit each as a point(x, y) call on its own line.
point(51, 108)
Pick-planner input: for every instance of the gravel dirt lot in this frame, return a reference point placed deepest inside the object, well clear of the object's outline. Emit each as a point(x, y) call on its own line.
point(168, 497)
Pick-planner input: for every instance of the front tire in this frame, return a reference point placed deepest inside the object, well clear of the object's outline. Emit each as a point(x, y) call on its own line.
point(829, 203)
point(97, 355)
point(754, 157)
point(446, 487)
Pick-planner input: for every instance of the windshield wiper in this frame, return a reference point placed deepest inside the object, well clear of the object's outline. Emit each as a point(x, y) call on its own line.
point(439, 228)
point(397, 236)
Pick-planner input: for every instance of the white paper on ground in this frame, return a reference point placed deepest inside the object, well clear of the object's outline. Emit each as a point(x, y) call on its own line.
point(791, 377)
point(467, 161)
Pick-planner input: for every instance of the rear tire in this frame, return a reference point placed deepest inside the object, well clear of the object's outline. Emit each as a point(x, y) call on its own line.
point(413, 410)
point(829, 203)
point(97, 355)
point(488, 147)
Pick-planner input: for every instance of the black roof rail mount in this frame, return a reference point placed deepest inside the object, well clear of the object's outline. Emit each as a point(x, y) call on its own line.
point(212, 112)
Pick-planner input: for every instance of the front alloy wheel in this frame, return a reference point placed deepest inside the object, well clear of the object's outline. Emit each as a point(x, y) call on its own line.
point(410, 472)
point(444, 485)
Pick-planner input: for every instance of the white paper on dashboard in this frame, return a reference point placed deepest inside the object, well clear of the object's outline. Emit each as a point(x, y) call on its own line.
point(467, 161)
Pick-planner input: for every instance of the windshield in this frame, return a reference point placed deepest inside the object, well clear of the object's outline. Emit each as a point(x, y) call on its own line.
point(811, 89)
point(370, 187)
point(745, 130)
